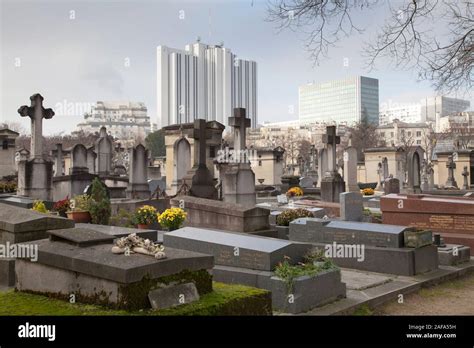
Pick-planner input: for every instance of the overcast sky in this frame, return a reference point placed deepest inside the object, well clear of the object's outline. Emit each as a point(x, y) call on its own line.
point(75, 53)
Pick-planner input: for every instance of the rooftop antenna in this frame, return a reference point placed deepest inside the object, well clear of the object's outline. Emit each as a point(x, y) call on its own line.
point(198, 39)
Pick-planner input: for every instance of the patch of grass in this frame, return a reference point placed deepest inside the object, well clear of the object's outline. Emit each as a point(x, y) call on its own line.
point(224, 300)
point(363, 310)
point(432, 292)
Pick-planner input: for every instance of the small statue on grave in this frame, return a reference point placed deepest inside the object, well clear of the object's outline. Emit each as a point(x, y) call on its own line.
point(135, 244)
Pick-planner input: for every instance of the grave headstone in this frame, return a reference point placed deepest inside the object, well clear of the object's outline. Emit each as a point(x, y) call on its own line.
point(202, 184)
point(306, 182)
point(391, 185)
point(451, 181)
point(465, 174)
point(138, 187)
point(322, 164)
point(91, 159)
point(35, 173)
point(237, 177)
point(332, 183)
point(351, 206)
point(350, 169)
point(104, 150)
point(58, 165)
point(79, 159)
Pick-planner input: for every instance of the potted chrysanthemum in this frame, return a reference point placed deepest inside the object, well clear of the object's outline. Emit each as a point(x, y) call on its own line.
point(145, 216)
point(172, 218)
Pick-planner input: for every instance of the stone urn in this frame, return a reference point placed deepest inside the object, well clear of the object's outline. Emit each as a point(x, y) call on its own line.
point(80, 216)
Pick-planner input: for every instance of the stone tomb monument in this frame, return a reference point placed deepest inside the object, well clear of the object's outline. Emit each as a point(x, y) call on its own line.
point(352, 206)
point(209, 213)
point(452, 217)
point(35, 173)
point(19, 225)
point(77, 180)
point(383, 246)
point(79, 261)
point(332, 183)
point(138, 187)
point(250, 260)
point(237, 177)
point(104, 148)
point(350, 169)
point(199, 178)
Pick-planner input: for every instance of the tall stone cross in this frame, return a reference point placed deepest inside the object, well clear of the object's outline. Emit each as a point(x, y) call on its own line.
point(240, 123)
point(200, 134)
point(331, 140)
point(36, 112)
point(465, 174)
point(451, 165)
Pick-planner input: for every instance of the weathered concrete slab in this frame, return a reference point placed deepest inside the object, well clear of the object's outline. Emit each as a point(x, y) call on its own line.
point(173, 295)
point(453, 254)
point(119, 232)
point(18, 225)
point(98, 261)
point(81, 237)
point(236, 249)
point(315, 230)
point(356, 280)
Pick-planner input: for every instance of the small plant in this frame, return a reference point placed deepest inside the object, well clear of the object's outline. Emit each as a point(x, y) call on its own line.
point(7, 187)
point(62, 206)
point(100, 208)
point(368, 192)
point(146, 215)
point(314, 262)
point(294, 192)
point(289, 215)
point(40, 207)
point(172, 218)
point(80, 203)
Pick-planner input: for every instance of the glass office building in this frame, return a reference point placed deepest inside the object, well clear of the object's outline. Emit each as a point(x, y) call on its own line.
point(343, 101)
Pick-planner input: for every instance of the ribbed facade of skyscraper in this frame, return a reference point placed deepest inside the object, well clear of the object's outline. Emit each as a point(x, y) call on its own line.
point(203, 81)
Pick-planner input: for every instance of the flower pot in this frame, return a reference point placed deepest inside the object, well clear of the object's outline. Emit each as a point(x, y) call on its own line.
point(143, 226)
point(79, 216)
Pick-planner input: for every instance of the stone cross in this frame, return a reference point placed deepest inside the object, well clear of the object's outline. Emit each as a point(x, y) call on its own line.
point(200, 134)
point(451, 165)
point(36, 112)
point(465, 174)
point(331, 140)
point(240, 123)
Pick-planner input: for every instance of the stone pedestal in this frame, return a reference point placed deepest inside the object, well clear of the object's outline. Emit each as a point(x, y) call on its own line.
point(331, 187)
point(238, 184)
point(35, 179)
point(202, 184)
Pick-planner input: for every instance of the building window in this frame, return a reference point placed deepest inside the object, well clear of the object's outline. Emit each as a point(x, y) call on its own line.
point(382, 134)
point(391, 134)
point(409, 134)
point(418, 142)
point(418, 134)
point(5, 145)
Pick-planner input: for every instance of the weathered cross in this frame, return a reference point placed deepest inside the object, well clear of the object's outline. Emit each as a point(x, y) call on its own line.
point(200, 134)
point(465, 174)
point(36, 112)
point(331, 140)
point(240, 123)
point(451, 165)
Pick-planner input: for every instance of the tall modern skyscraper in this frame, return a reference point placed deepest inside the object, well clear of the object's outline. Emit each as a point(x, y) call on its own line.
point(343, 101)
point(203, 81)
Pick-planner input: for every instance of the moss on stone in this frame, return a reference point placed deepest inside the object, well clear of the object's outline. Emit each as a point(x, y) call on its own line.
point(225, 299)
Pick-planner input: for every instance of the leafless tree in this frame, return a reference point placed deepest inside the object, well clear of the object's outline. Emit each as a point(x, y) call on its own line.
point(434, 37)
point(363, 136)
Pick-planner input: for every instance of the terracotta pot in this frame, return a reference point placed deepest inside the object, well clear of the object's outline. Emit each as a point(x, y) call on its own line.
point(79, 216)
point(143, 226)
